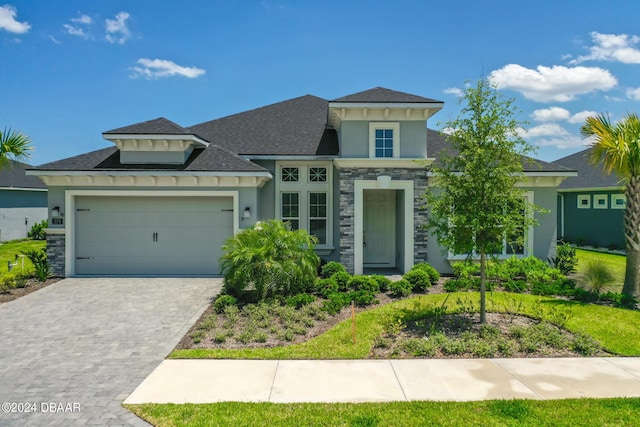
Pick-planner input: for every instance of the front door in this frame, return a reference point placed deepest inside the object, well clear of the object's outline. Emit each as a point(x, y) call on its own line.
point(379, 224)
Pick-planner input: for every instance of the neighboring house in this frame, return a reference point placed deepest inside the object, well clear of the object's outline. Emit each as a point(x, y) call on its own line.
point(590, 206)
point(351, 171)
point(23, 201)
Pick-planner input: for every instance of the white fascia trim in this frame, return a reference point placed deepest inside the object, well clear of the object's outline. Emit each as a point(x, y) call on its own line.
point(155, 137)
point(36, 172)
point(22, 189)
point(70, 208)
point(390, 105)
point(585, 189)
point(291, 158)
point(358, 221)
point(383, 163)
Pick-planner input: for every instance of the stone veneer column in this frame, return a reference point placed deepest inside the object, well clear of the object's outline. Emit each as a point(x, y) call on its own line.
point(55, 253)
point(348, 176)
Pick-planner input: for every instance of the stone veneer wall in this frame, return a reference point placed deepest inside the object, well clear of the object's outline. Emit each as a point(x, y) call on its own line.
point(348, 176)
point(55, 253)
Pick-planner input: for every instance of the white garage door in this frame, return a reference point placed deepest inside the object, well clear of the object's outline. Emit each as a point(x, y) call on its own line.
point(151, 235)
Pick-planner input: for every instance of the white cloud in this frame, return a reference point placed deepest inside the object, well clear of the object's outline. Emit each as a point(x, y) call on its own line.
point(74, 31)
point(612, 47)
point(82, 19)
point(551, 114)
point(634, 93)
point(570, 141)
point(117, 30)
point(581, 116)
point(552, 84)
point(152, 69)
point(8, 21)
point(546, 129)
point(454, 91)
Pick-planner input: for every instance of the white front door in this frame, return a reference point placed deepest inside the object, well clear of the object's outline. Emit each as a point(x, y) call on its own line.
point(379, 223)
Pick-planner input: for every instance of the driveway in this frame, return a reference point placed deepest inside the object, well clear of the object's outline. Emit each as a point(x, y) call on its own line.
point(73, 351)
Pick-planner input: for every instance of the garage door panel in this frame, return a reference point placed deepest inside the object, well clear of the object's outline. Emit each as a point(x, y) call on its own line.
point(151, 235)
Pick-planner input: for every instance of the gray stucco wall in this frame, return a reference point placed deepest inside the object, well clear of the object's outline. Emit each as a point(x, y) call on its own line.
point(267, 194)
point(544, 234)
point(354, 139)
point(595, 227)
point(19, 211)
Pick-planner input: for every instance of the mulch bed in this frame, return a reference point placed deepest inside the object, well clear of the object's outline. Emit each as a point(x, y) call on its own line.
point(32, 285)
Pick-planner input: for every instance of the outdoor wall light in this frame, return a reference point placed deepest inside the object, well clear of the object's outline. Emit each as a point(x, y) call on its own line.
point(247, 212)
point(384, 181)
point(55, 212)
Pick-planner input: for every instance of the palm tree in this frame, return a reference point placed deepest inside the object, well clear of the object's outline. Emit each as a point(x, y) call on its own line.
point(13, 146)
point(617, 146)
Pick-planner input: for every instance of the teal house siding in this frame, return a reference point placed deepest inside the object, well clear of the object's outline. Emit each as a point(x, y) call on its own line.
point(592, 226)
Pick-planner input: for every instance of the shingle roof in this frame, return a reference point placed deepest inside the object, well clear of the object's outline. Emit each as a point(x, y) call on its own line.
point(382, 95)
point(589, 176)
point(296, 127)
point(212, 158)
point(437, 145)
point(13, 176)
point(159, 126)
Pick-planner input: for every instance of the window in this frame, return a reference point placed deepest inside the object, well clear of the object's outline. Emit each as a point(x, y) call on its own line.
point(317, 174)
point(303, 198)
point(618, 201)
point(318, 216)
point(290, 174)
point(600, 201)
point(384, 140)
point(291, 209)
point(584, 201)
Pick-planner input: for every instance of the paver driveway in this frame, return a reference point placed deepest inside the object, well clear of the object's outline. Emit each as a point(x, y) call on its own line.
point(83, 345)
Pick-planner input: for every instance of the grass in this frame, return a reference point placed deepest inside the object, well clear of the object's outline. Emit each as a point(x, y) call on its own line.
point(570, 412)
point(9, 250)
point(593, 320)
point(616, 264)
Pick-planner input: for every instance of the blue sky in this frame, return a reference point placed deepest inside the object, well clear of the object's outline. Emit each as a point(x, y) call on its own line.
point(75, 68)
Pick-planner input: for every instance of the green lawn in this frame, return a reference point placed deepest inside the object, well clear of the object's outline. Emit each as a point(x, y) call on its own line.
point(616, 263)
point(535, 413)
point(594, 320)
point(9, 250)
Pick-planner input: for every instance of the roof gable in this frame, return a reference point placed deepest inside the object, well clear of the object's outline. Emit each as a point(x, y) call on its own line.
point(589, 176)
point(159, 126)
point(13, 176)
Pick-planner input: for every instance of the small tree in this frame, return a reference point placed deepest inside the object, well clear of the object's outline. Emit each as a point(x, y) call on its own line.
point(475, 204)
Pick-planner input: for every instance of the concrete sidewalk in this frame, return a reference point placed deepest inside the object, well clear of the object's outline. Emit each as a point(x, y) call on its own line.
point(285, 381)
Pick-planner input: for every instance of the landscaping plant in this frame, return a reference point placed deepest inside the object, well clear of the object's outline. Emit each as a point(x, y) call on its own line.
point(40, 263)
point(37, 230)
point(269, 259)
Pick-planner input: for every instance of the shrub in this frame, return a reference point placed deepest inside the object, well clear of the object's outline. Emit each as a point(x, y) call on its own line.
point(596, 277)
point(336, 302)
point(419, 279)
point(300, 300)
point(37, 230)
point(383, 282)
point(222, 302)
point(434, 276)
point(363, 298)
point(326, 287)
point(40, 262)
point(566, 258)
point(516, 285)
point(561, 286)
point(465, 269)
point(269, 259)
point(462, 284)
point(342, 280)
point(363, 283)
point(331, 268)
point(401, 288)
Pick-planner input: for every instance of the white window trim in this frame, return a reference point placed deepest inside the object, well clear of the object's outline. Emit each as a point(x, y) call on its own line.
point(582, 197)
point(597, 197)
point(615, 198)
point(528, 238)
point(304, 187)
point(372, 138)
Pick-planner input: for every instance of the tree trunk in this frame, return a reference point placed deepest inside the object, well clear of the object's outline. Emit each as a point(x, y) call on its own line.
point(631, 286)
point(483, 288)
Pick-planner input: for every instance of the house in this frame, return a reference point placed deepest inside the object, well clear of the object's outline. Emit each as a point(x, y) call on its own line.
point(351, 171)
point(23, 201)
point(591, 206)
